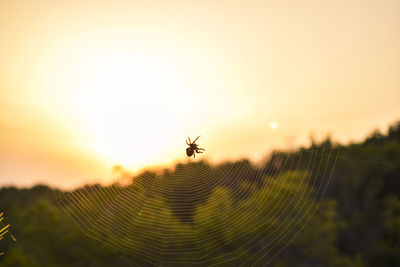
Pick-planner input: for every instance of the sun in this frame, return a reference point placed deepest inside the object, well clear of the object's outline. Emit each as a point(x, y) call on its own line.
point(273, 125)
point(131, 106)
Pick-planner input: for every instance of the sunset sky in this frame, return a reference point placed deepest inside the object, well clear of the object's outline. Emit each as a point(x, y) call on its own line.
point(86, 85)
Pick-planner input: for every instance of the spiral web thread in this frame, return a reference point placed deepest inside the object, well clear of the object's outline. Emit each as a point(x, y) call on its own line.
point(203, 215)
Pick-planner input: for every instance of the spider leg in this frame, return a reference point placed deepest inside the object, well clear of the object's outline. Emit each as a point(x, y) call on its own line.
point(187, 143)
point(196, 138)
point(194, 154)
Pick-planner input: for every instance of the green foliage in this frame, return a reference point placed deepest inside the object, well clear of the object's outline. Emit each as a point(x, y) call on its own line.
point(283, 217)
point(4, 229)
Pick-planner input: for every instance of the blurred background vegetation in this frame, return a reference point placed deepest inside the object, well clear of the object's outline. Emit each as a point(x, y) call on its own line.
point(355, 222)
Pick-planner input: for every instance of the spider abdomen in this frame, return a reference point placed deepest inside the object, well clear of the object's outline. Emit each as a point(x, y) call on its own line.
point(189, 151)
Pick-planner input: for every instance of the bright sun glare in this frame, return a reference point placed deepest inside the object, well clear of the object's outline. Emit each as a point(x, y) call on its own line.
point(130, 105)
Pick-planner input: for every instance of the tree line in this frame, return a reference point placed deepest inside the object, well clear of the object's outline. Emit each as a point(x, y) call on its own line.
point(325, 204)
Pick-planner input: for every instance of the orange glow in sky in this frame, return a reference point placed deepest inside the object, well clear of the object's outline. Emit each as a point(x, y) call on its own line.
point(88, 85)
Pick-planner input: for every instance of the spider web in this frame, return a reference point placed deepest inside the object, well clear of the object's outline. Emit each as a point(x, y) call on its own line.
point(202, 214)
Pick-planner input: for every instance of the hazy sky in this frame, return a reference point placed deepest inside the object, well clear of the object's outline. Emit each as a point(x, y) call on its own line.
point(85, 85)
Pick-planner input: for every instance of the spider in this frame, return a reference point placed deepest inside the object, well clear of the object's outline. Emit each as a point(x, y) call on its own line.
point(193, 148)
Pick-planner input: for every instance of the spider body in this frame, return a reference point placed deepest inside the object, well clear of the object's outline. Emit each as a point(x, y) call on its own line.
point(193, 148)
